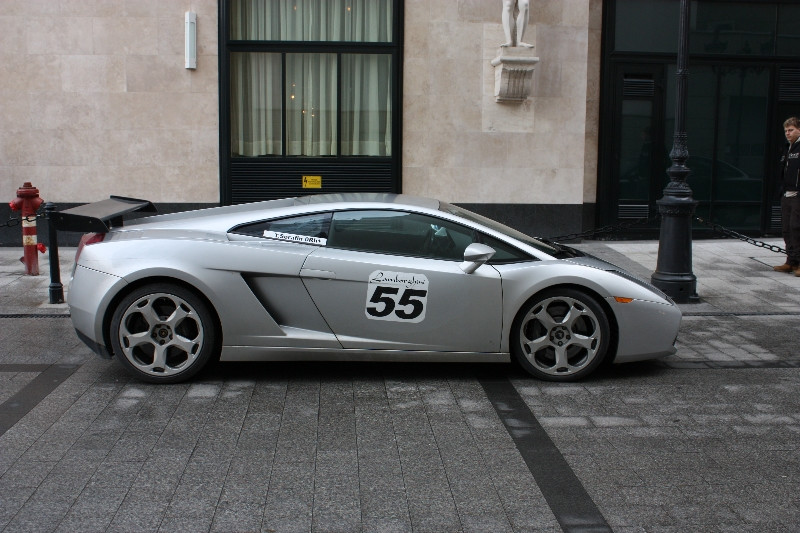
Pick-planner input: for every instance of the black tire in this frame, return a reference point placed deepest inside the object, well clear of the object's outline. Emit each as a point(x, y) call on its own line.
point(163, 333)
point(561, 334)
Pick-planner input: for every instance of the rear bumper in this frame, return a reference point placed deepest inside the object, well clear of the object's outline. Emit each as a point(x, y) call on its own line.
point(89, 296)
point(96, 347)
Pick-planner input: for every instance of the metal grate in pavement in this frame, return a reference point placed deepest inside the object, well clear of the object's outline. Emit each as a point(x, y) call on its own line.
point(692, 364)
point(34, 315)
point(744, 313)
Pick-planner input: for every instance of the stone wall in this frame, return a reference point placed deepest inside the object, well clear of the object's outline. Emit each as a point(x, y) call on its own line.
point(460, 145)
point(95, 100)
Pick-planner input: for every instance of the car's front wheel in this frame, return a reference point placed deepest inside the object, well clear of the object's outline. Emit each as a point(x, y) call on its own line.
point(163, 333)
point(561, 335)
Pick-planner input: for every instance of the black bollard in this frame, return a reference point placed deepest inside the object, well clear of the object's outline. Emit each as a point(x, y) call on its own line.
point(56, 288)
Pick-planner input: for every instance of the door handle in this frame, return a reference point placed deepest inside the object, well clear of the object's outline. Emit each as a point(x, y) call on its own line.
point(317, 274)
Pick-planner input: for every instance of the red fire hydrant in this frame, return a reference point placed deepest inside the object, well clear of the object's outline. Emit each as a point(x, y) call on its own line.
point(28, 202)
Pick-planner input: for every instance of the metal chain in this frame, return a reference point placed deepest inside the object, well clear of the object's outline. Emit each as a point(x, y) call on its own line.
point(745, 238)
point(639, 221)
point(17, 221)
point(603, 229)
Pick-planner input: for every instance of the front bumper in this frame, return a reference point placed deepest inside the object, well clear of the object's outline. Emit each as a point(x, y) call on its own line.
point(647, 330)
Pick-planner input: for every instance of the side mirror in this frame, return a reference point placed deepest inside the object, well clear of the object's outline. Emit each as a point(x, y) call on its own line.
point(475, 255)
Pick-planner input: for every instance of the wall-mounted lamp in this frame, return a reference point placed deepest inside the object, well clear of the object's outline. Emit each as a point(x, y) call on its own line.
point(190, 49)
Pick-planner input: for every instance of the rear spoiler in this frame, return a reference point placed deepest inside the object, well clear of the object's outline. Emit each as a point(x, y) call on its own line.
point(99, 217)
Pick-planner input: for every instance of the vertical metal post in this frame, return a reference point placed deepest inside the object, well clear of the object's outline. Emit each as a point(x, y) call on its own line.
point(56, 288)
point(673, 273)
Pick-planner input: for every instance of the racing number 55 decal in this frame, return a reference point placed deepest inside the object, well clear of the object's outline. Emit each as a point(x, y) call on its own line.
point(396, 296)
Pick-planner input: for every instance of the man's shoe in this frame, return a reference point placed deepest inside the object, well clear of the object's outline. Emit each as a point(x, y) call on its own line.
point(786, 267)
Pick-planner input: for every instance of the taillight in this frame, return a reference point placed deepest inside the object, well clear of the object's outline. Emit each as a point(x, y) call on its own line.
point(86, 240)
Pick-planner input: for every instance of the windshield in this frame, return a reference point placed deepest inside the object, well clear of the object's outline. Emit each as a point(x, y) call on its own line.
point(551, 248)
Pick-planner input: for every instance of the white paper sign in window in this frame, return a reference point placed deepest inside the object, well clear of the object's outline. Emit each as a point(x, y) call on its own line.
point(291, 237)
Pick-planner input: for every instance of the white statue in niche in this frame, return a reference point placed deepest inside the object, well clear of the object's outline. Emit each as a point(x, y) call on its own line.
point(514, 27)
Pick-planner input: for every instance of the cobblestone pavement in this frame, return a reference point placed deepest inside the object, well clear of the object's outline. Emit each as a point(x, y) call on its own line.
point(706, 440)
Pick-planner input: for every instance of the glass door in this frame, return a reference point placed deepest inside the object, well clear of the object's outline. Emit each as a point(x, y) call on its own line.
point(727, 123)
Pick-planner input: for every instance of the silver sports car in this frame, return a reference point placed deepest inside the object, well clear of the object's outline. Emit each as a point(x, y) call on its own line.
point(350, 277)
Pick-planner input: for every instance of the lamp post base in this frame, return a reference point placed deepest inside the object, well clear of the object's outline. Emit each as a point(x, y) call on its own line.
point(682, 288)
point(673, 273)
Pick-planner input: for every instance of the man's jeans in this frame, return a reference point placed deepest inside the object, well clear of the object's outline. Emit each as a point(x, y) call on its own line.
point(790, 222)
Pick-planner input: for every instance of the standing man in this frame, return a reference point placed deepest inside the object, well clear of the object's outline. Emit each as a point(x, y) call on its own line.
point(790, 201)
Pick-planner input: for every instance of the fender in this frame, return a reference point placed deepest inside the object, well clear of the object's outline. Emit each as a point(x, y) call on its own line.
point(526, 280)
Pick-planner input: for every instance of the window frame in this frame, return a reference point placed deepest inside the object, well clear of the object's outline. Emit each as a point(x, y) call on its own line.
point(240, 233)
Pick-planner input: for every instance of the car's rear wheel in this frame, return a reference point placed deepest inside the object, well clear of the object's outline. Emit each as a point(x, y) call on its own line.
point(561, 334)
point(163, 333)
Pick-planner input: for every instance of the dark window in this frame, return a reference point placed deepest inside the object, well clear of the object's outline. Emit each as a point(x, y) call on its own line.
point(727, 113)
point(309, 103)
point(637, 150)
point(393, 232)
point(318, 118)
point(311, 20)
point(732, 28)
point(788, 30)
point(650, 26)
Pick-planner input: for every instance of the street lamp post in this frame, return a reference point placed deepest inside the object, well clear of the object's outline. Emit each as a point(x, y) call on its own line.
point(673, 273)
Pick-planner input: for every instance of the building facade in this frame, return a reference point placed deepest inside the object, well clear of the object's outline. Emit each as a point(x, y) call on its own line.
point(296, 97)
point(744, 81)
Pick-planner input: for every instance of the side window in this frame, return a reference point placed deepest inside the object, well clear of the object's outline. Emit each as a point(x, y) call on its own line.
point(308, 229)
point(412, 234)
point(504, 253)
point(386, 232)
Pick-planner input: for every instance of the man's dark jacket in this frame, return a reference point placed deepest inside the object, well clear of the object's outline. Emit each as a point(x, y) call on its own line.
point(790, 168)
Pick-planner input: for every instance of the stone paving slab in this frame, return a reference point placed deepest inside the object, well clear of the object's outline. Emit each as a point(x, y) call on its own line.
point(24, 294)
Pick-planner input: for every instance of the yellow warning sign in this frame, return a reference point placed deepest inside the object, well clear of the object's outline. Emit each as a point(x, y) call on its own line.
point(312, 182)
